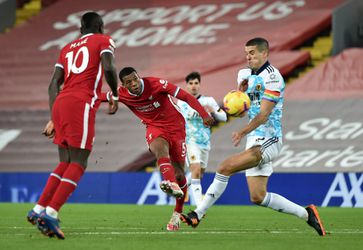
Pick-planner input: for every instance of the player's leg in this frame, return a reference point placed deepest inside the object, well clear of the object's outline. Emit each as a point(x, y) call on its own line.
point(69, 181)
point(181, 180)
point(257, 179)
point(194, 157)
point(51, 186)
point(160, 148)
point(257, 186)
point(195, 182)
point(78, 128)
point(233, 164)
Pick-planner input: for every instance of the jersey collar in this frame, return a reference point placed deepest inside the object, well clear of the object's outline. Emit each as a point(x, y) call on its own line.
point(89, 34)
point(263, 67)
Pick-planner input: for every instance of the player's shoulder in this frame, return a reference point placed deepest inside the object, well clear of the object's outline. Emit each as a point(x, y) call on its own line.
point(155, 81)
point(271, 73)
point(151, 79)
point(101, 37)
point(244, 73)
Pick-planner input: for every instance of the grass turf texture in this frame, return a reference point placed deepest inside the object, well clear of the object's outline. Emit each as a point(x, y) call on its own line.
point(91, 226)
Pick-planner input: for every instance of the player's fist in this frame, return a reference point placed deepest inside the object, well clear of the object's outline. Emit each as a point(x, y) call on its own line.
point(49, 129)
point(208, 121)
point(112, 106)
point(243, 86)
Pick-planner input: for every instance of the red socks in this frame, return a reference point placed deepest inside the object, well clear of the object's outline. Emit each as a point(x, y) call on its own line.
point(180, 202)
point(166, 169)
point(52, 184)
point(67, 185)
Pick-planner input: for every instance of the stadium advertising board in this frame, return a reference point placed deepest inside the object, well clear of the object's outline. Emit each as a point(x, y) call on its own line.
point(323, 189)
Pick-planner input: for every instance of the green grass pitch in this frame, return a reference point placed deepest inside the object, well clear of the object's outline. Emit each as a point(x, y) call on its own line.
point(91, 226)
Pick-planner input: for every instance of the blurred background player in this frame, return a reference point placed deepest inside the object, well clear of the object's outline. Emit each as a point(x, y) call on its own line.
point(197, 135)
point(265, 87)
point(73, 110)
point(149, 98)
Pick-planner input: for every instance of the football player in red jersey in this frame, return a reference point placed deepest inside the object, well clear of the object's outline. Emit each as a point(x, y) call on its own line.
point(80, 68)
point(150, 99)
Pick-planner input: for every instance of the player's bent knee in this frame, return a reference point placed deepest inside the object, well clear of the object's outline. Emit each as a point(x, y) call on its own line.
point(256, 152)
point(224, 170)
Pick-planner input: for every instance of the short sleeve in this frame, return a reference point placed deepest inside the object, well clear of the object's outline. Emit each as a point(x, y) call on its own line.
point(59, 61)
point(214, 104)
point(107, 45)
point(274, 84)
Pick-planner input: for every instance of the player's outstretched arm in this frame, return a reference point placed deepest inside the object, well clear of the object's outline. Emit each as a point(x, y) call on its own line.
point(109, 68)
point(193, 102)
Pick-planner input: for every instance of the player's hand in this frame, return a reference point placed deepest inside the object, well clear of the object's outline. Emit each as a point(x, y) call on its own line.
point(236, 138)
point(208, 121)
point(243, 86)
point(49, 130)
point(112, 106)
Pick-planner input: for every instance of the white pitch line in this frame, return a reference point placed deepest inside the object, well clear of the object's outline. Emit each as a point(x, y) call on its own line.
point(342, 231)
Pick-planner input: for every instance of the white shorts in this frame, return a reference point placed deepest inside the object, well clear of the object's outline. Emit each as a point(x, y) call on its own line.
point(195, 154)
point(270, 148)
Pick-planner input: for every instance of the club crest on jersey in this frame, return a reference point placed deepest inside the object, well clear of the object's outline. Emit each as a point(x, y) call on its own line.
point(272, 76)
point(164, 83)
point(192, 158)
point(258, 87)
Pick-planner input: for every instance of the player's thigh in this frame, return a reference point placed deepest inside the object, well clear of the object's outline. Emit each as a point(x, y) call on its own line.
point(63, 154)
point(157, 141)
point(78, 155)
point(241, 161)
point(178, 148)
point(270, 149)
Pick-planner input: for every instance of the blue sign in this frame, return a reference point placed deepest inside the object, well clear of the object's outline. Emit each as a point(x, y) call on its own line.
point(323, 189)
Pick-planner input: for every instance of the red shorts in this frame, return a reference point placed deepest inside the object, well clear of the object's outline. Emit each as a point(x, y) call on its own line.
point(175, 138)
point(74, 123)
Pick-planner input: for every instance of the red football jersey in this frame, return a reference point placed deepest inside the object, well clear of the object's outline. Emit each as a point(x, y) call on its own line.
point(154, 106)
point(81, 61)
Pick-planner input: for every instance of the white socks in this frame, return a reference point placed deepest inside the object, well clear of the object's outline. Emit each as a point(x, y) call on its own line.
point(38, 208)
point(196, 189)
point(214, 191)
point(281, 204)
point(51, 212)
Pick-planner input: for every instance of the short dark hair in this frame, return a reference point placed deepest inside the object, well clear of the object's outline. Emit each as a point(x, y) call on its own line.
point(91, 22)
point(125, 72)
point(259, 42)
point(192, 75)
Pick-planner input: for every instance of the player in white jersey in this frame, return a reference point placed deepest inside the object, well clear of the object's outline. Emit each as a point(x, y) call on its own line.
point(265, 87)
point(197, 135)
